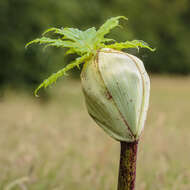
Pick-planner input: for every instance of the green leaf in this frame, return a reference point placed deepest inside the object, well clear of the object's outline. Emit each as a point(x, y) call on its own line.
point(130, 44)
point(107, 27)
point(51, 42)
point(82, 41)
point(53, 78)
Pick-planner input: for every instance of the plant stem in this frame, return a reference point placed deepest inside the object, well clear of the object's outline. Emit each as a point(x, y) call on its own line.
point(127, 168)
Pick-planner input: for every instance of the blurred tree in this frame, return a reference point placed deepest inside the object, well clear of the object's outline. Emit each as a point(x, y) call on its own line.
point(164, 24)
point(22, 20)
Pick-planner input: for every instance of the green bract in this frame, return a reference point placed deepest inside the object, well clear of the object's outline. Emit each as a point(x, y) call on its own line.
point(115, 84)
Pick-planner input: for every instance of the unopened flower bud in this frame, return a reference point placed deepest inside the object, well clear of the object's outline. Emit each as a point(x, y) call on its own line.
point(116, 89)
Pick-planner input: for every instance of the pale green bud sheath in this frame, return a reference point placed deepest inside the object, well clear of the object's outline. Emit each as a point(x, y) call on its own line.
point(116, 89)
point(115, 84)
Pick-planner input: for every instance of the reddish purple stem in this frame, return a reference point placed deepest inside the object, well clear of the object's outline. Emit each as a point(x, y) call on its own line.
point(127, 168)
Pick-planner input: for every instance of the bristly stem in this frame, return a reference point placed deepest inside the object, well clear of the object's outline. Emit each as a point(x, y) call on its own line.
point(127, 168)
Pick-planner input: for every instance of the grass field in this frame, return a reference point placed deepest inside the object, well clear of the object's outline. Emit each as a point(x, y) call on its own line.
point(56, 145)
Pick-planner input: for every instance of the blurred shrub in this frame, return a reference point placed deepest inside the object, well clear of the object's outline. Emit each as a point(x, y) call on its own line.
point(164, 24)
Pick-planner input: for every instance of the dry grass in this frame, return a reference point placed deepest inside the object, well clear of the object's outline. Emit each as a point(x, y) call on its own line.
point(56, 146)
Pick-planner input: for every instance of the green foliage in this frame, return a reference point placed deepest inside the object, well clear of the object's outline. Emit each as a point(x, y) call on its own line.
point(80, 42)
point(83, 43)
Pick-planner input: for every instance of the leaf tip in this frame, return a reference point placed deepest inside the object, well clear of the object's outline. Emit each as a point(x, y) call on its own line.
point(36, 93)
point(48, 30)
point(153, 49)
point(123, 17)
point(26, 46)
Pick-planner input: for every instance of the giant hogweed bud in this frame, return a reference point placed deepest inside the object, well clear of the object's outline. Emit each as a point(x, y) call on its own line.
point(115, 85)
point(116, 89)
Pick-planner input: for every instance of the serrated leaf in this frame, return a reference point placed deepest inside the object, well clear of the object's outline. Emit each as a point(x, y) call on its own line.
point(107, 27)
point(80, 42)
point(130, 44)
point(51, 42)
point(53, 78)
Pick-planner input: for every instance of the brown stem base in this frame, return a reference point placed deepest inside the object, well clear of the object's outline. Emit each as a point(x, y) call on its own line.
point(127, 168)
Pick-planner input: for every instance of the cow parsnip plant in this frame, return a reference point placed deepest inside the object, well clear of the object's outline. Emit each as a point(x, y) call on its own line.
point(115, 85)
point(83, 43)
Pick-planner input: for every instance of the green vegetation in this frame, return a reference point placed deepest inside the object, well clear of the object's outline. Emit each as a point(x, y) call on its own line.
point(56, 146)
point(85, 44)
point(164, 24)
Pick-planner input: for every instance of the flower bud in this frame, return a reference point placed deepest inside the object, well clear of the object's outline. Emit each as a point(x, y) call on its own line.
point(116, 88)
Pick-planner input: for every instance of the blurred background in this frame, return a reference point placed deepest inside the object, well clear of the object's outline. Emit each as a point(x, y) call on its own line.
point(50, 143)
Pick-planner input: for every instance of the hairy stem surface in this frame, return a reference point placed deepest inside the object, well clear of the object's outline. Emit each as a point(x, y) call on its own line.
point(127, 168)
